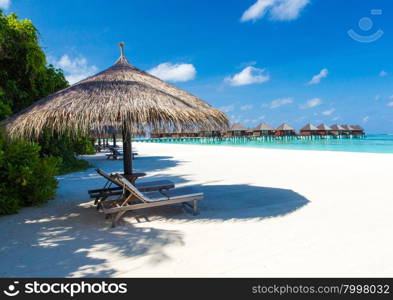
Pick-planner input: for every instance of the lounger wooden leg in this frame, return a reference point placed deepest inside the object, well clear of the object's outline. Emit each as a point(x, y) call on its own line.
point(195, 207)
point(116, 218)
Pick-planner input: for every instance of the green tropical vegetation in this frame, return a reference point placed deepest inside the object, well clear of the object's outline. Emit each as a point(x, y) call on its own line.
point(27, 168)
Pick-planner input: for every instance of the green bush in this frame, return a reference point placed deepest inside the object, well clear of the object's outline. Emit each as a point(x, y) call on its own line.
point(66, 148)
point(26, 169)
point(26, 179)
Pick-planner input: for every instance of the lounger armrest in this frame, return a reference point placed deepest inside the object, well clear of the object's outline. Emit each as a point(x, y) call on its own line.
point(104, 190)
point(106, 194)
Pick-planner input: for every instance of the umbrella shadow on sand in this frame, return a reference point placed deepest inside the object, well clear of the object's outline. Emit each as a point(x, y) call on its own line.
point(229, 202)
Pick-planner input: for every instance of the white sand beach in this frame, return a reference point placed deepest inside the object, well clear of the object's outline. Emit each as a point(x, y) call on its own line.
point(265, 213)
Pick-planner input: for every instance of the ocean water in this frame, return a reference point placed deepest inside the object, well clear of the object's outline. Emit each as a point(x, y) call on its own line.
point(382, 143)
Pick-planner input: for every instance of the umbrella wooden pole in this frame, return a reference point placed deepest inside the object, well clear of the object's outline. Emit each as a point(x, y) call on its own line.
point(127, 151)
point(114, 140)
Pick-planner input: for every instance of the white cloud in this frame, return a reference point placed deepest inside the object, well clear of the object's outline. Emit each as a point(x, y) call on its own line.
point(282, 10)
point(288, 9)
point(257, 10)
point(365, 119)
point(390, 103)
point(227, 109)
point(328, 112)
point(278, 103)
point(336, 119)
point(391, 97)
point(383, 74)
point(174, 72)
point(261, 118)
point(249, 75)
point(246, 107)
point(4, 4)
point(311, 103)
point(75, 69)
point(317, 78)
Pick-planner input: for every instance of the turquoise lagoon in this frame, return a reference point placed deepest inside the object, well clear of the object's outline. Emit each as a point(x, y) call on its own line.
point(382, 143)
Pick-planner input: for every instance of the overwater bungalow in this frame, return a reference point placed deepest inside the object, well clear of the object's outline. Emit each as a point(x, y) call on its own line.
point(158, 134)
point(308, 130)
point(285, 130)
point(323, 129)
point(357, 130)
point(337, 129)
point(173, 134)
point(347, 129)
point(263, 129)
point(210, 133)
point(237, 129)
point(190, 133)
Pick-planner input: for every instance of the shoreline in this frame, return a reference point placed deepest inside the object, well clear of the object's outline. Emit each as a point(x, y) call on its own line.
point(264, 148)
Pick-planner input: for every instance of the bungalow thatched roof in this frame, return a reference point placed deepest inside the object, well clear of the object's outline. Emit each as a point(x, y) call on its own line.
point(357, 127)
point(336, 127)
point(309, 127)
point(121, 95)
point(263, 126)
point(285, 126)
point(347, 127)
point(237, 127)
point(323, 127)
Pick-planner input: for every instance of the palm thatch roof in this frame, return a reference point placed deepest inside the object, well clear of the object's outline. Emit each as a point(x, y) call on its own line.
point(357, 127)
point(105, 131)
point(336, 127)
point(263, 127)
point(309, 127)
point(324, 127)
point(347, 127)
point(237, 127)
point(120, 96)
point(286, 127)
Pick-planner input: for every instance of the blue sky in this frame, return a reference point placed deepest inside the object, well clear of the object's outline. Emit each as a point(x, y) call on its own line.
point(268, 60)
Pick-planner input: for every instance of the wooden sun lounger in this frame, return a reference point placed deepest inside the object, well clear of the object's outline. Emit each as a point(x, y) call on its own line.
point(114, 154)
point(107, 192)
point(138, 200)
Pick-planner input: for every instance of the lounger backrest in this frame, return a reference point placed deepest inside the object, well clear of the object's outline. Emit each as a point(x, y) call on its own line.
point(103, 174)
point(130, 187)
point(107, 176)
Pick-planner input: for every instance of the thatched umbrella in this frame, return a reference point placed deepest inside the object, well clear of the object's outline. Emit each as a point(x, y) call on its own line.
point(121, 96)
